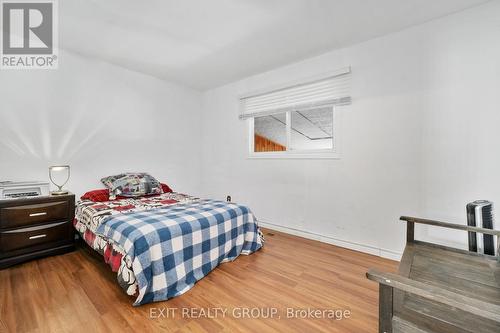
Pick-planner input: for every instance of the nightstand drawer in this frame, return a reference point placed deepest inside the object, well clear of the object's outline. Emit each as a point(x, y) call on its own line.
point(21, 238)
point(19, 216)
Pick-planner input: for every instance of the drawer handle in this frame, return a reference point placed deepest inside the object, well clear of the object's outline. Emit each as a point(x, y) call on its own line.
point(38, 236)
point(38, 214)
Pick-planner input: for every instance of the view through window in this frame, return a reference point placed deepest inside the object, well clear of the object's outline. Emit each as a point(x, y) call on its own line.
point(300, 130)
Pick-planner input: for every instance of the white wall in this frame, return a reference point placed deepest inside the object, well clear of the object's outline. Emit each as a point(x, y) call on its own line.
point(419, 138)
point(461, 138)
point(100, 119)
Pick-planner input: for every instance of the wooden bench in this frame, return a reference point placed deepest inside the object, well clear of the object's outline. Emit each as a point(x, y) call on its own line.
point(439, 288)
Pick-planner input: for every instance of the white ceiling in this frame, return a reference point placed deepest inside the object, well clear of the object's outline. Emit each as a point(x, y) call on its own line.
point(204, 44)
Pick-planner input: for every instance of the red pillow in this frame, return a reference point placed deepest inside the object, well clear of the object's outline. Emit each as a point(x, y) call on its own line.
point(103, 195)
point(165, 188)
point(96, 195)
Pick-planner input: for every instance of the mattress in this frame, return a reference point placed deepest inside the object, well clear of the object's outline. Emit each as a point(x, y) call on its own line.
point(160, 246)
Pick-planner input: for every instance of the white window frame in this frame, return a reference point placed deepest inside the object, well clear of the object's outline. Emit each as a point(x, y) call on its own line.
point(333, 153)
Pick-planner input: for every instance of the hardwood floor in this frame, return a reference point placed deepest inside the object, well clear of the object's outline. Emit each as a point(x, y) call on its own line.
point(77, 292)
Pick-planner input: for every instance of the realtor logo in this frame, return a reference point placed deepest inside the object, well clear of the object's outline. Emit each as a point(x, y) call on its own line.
point(29, 34)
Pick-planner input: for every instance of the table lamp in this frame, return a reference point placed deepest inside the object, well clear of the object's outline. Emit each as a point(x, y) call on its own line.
point(56, 170)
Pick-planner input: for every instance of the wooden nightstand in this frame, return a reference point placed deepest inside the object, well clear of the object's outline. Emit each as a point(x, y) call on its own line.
point(35, 227)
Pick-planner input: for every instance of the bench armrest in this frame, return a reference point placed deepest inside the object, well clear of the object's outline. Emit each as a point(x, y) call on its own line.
point(450, 225)
point(433, 293)
point(410, 229)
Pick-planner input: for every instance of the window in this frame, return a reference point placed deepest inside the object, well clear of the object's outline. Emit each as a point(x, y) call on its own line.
point(298, 120)
point(270, 133)
point(312, 129)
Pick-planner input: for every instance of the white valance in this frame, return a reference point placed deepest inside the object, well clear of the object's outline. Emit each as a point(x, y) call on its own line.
point(331, 90)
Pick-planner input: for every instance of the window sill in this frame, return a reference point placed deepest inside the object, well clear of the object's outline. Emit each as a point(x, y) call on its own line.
point(287, 155)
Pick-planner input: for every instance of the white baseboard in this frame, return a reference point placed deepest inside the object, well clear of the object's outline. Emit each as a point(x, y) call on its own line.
point(384, 253)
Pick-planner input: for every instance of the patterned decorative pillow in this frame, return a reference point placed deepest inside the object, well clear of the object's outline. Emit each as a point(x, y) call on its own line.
point(102, 195)
point(131, 185)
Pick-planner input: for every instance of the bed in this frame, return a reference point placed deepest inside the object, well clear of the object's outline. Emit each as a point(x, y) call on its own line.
point(161, 245)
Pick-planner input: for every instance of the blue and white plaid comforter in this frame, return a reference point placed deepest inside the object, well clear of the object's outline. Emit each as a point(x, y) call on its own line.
point(173, 247)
